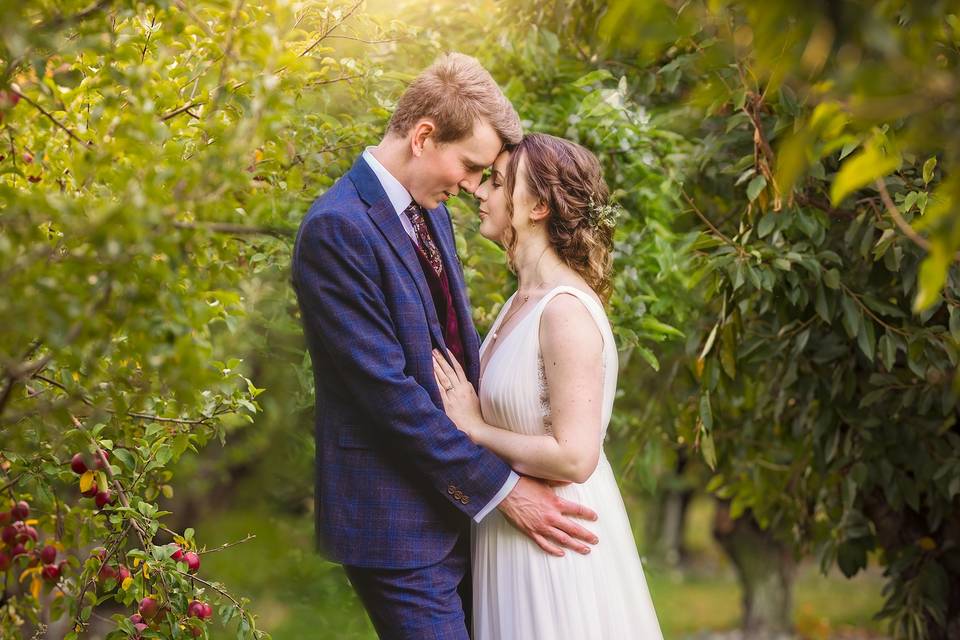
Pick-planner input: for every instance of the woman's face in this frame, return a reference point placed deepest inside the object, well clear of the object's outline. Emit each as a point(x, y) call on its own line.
point(494, 215)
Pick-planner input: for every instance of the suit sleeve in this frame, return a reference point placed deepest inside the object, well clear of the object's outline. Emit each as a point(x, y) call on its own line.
point(336, 276)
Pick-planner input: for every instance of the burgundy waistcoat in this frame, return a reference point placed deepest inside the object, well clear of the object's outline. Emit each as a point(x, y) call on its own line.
point(443, 303)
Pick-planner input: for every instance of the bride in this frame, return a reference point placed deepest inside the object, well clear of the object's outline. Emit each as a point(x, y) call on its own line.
point(547, 382)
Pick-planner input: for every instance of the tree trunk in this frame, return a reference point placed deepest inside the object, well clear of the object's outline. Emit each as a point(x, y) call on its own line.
point(668, 517)
point(765, 569)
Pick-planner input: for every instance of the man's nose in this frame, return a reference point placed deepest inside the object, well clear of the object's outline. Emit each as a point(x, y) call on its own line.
point(470, 184)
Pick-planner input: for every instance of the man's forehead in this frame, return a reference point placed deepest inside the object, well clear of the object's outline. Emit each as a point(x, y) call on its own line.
point(484, 145)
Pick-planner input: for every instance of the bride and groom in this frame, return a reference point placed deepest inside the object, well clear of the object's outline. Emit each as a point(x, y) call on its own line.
point(450, 510)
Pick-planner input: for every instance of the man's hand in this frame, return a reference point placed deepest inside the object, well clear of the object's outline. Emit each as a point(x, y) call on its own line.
point(533, 508)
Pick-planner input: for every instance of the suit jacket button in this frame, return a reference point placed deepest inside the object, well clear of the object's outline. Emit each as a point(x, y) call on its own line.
point(457, 494)
point(451, 489)
point(465, 500)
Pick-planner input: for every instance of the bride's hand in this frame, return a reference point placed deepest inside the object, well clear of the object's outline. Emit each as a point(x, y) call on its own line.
point(460, 401)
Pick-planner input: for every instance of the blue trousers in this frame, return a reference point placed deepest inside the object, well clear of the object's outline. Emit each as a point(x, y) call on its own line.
point(426, 603)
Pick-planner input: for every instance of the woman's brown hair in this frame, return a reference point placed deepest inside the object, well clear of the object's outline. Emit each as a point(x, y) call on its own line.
point(569, 180)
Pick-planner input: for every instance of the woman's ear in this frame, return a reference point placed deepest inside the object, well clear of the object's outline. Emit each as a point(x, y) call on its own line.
point(419, 135)
point(539, 212)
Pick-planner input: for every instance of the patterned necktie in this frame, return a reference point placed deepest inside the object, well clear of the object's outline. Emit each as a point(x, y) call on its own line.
point(415, 213)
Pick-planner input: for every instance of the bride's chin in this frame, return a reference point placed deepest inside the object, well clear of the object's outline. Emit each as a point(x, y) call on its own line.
point(486, 233)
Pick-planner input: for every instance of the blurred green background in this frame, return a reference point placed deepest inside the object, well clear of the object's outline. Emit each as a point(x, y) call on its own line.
point(786, 290)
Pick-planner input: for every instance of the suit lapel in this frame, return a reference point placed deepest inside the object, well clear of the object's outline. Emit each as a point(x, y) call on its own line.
point(383, 214)
point(440, 228)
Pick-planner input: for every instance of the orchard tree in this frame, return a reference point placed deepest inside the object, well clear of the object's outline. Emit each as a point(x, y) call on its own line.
point(825, 191)
point(155, 159)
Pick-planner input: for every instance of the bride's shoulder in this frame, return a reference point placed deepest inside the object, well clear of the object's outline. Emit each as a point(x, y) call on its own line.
point(567, 322)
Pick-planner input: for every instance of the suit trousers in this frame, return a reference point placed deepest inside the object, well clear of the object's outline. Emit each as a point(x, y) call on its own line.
point(425, 603)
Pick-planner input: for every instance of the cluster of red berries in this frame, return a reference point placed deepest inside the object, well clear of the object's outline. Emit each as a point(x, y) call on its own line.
point(149, 608)
point(107, 571)
point(80, 464)
point(19, 541)
point(191, 559)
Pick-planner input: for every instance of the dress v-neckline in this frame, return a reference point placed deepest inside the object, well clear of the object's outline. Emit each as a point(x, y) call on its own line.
point(490, 350)
point(485, 359)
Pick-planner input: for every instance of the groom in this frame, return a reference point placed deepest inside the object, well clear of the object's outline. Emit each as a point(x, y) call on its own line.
point(379, 286)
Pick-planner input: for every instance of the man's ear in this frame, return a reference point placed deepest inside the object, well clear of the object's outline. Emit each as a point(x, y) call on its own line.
point(421, 132)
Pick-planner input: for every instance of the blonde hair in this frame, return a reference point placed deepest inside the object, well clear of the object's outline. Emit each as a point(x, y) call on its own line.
point(454, 92)
point(569, 180)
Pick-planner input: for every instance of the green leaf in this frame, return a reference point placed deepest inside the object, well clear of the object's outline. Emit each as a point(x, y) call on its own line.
point(851, 315)
point(873, 162)
point(851, 557)
point(755, 187)
point(708, 449)
point(831, 278)
point(706, 412)
point(126, 458)
point(928, 168)
point(955, 322)
point(652, 324)
point(849, 148)
point(932, 276)
point(767, 223)
point(909, 201)
point(866, 339)
point(888, 351)
point(728, 359)
point(648, 356)
point(820, 304)
point(593, 77)
point(708, 345)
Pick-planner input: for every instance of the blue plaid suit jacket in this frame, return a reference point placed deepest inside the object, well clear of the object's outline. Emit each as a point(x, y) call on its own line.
point(394, 477)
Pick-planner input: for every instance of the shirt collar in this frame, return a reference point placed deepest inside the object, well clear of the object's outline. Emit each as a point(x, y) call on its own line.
point(399, 197)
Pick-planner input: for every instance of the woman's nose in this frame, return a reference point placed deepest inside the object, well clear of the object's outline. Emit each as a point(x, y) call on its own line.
point(481, 192)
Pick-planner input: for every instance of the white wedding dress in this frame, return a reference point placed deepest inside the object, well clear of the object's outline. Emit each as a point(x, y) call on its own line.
point(519, 591)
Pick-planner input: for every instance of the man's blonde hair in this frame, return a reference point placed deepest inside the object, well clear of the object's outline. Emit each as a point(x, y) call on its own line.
point(454, 92)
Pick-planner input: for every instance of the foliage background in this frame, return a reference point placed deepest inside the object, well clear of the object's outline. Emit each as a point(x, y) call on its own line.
point(772, 313)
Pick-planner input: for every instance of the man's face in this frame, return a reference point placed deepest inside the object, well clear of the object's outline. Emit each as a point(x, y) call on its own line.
point(441, 170)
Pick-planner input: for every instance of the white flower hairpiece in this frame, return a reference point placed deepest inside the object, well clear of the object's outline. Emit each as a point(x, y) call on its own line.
point(603, 215)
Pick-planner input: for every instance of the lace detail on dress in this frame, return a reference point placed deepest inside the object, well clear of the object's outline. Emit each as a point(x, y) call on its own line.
point(544, 396)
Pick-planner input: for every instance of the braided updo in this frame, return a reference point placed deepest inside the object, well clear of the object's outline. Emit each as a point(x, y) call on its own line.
point(568, 179)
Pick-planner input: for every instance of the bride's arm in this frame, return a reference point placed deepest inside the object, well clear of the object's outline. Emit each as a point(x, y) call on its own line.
point(572, 349)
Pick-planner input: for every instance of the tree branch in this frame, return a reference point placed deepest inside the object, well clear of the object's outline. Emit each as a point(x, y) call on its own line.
point(235, 229)
point(13, 482)
point(717, 231)
point(368, 41)
point(319, 83)
point(178, 111)
point(135, 414)
point(63, 21)
point(59, 124)
point(901, 223)
point(869, 312)
point(330, 30)
point(112, 550)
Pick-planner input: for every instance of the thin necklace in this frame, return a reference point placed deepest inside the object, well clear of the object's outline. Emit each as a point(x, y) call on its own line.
point(514, 310)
